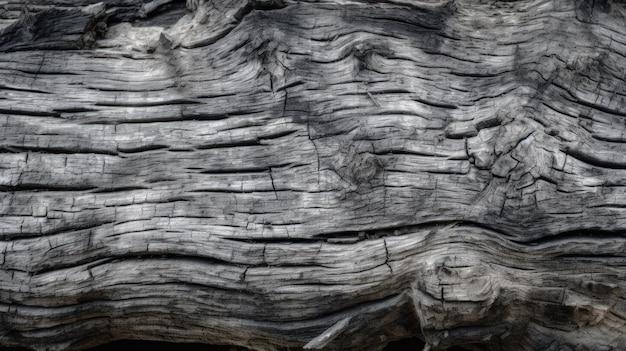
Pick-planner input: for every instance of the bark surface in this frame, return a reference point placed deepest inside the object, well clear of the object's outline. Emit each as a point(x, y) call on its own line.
point(322, 174)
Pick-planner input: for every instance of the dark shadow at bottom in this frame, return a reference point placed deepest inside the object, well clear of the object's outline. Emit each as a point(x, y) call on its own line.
point(412, 344)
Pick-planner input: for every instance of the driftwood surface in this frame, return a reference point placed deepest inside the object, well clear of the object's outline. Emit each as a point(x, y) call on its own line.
point(332, 174)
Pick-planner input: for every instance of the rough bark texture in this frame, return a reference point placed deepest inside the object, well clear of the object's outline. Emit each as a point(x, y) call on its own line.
point(321, 174)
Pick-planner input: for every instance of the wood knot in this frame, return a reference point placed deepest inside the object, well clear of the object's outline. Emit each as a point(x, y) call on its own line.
point(363, 167)
point(355, 163)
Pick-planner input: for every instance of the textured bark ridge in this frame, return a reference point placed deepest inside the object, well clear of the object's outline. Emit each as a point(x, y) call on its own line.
point(321, 174)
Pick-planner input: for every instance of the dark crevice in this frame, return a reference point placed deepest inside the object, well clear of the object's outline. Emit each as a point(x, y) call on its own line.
point(277, 135)
point(44, 187)
point(445, 171)
point(209, 96)
point(276, 240)
point(391, 91)
point(118, 189)
point(165, 15)
point(55, 231)
point(290, 85)
point(477, 74)
point(597, 107)
point(56, 150)
point(47, 73)
point(608, 139)
point(25, 90)
point(437, 104)
point(130, 88)
point(231, 191)
point(215, 116)
point(486, 123)
point(268, 5)
point(559, 111)
point(253, 169)
point(142, 148)
point(147, 104)
point(425, 21)
point(224, 170)
point(593, 160)
point(253, 142)
point(384, 151)
point(183, 118)
point(547, 180)
point(580, 234)
point(376, 233)
point(74, 110)
point(609, 206)
point(136, 256)
point(249, 142)
point(31, 113)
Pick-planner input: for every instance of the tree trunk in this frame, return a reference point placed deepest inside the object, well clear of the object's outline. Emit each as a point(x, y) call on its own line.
point(336, 175)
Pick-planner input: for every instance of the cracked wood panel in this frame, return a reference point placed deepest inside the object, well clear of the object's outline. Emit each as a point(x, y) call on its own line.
point(313, 173)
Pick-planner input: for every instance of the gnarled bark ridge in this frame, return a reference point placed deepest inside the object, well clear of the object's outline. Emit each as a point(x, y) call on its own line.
point(329, 174)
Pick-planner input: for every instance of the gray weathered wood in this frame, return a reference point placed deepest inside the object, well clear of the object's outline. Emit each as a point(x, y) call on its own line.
point(332, 174)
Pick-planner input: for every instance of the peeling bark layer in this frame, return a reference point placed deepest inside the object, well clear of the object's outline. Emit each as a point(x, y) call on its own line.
point(321, 174)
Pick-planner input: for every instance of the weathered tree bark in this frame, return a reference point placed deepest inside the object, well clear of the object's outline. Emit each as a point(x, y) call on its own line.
point(320, 174)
